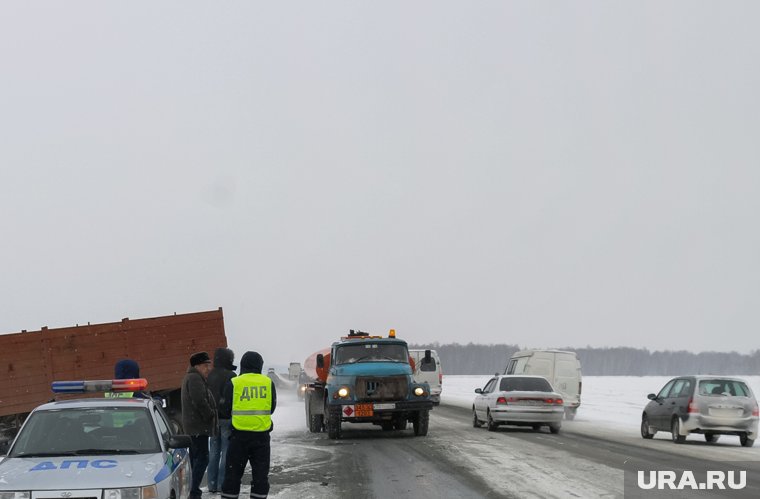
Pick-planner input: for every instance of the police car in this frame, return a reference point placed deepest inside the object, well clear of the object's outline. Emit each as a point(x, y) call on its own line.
point(97, 448)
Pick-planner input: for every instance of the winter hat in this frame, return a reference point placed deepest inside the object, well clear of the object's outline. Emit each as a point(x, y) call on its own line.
point(224, 357)
point(199, 358)
point(251, 362)
point(126, 369)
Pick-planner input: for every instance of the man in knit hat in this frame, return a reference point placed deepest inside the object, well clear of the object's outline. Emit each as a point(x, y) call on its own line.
point(249, 401)
point(199, 418)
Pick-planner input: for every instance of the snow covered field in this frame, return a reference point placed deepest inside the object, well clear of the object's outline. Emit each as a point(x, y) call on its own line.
point(610, 402)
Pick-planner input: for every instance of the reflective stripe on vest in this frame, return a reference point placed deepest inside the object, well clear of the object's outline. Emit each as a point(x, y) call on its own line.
point(252, 402)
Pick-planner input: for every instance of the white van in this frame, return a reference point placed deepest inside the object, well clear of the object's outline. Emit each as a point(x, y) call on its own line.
point(427, 369)
point(294, 369)
point(562, 369)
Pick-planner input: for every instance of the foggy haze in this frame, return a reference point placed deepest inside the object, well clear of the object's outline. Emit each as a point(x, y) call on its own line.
point(541, 174)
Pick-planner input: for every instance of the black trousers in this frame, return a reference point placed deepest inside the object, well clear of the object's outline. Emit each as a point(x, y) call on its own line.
point(245, 447)
point(198, 462)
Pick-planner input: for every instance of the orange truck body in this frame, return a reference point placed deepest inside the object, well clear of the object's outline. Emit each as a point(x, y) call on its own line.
point(162, 346)
point(311, 369)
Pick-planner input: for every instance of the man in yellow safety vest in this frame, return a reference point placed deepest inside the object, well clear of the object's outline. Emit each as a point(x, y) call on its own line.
point(249, 401)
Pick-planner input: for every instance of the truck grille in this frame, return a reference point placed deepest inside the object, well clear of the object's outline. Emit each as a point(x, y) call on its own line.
point(386, 388)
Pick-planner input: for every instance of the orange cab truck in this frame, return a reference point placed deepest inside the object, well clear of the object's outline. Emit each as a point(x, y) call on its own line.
point(365, 379)
point(31, 360)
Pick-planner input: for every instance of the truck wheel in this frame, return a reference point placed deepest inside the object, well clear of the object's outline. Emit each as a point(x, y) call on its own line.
point(399, 424)
point(333, 423)
point(316, 423)
point(386, 425)
point(420, 423)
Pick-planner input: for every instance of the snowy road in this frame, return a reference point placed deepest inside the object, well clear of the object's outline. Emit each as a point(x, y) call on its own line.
point(456, 460)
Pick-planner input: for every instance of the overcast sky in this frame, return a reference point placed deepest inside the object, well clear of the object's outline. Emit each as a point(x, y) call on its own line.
point(546, 174)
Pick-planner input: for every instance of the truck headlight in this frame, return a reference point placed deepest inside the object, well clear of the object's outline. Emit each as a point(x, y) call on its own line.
point(149, 492)
point(343, 392)
point(419, 391)
point(15, 495)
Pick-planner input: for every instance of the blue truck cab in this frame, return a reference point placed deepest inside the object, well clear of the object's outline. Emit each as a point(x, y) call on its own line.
point(369, 380)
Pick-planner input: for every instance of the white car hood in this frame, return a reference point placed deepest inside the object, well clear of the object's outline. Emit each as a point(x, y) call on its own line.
point(81, 472)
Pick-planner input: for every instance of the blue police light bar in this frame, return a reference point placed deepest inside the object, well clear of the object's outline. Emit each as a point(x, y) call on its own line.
point(68, 386)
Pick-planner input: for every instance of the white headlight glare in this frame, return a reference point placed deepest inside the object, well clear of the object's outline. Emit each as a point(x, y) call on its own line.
point(343, 392)
point(419, 391)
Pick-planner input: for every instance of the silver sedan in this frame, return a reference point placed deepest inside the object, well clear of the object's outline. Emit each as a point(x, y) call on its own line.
point(518, 400)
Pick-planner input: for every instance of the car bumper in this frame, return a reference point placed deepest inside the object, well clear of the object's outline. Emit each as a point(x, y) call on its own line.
point(528, 415)
point(704, 423)
point(382, 410)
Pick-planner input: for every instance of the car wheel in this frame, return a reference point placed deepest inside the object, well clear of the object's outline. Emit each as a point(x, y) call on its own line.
point(536, 427)
point(675, 429)
point(711, 437)
point(476, 423)
point(645, 433)
point(555, 427)
point(746, 441)
point(490, 422)
point(399, 424)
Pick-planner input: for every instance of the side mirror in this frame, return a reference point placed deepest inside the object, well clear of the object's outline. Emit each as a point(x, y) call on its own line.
point(178, 441)
point(652, 396)
point(478, 390)
point(320, 360)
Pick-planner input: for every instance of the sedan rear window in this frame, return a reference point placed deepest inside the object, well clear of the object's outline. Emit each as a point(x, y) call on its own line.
point(723, 387)
point(524, 385)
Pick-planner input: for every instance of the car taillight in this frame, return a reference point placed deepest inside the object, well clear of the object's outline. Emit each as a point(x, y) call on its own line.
point(440, 378)
point(580, 387)
point(554, 401)
point(755, 411)
point(501, 401)
point(693, 406)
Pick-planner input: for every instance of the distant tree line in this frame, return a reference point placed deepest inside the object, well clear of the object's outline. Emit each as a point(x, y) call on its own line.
point(620, 361)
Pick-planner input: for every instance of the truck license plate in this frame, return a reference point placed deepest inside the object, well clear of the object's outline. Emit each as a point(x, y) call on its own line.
point(364, 410)
point(380, 407)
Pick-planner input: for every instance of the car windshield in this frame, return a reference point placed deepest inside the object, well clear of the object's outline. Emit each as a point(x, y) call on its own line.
point(87, 431)
point(723, 387)
point(371, 352)
point(524, 385)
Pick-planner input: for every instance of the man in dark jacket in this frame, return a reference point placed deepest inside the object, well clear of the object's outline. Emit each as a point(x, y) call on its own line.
point(199, 417)
point(223, 371)
point(249, 400)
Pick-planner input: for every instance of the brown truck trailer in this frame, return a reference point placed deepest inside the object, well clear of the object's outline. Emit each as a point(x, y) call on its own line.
point(31, 360)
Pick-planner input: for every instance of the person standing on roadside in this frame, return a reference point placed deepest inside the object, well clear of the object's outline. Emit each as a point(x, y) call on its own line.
point(222, 372)
point(249, 400)
point(199, 418)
